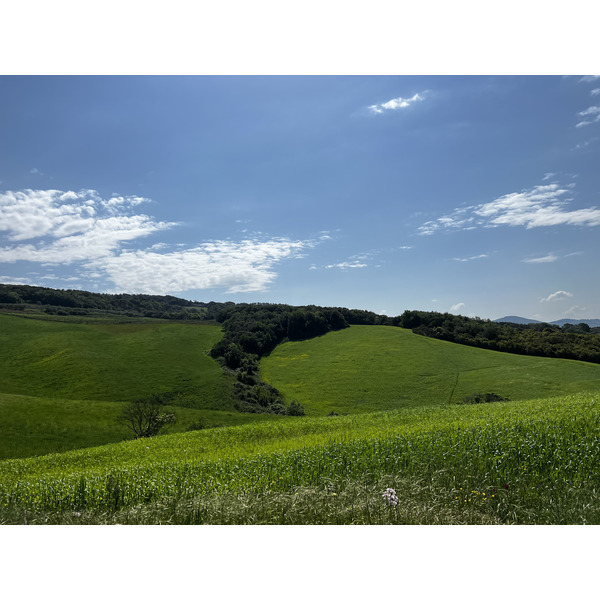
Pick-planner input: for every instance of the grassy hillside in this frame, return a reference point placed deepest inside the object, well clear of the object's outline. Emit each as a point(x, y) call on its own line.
point(63, 382)
point(535, 461)
point(370, 368)
point(110, 361)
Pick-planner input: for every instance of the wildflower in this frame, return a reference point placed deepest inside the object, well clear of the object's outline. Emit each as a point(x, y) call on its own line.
point(390, 496)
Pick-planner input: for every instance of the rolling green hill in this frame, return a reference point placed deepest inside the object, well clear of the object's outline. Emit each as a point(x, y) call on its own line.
point(110, 361)
point(63, 382)
point(370, 368)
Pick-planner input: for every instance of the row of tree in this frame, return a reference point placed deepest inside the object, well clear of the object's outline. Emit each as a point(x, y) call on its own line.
point(577, 342)
point(79, 302)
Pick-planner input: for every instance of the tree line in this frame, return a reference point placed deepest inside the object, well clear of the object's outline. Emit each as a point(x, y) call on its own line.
point(81, 303)
point(577, 342)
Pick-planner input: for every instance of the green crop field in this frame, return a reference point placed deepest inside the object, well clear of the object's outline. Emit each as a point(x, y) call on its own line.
point(369, 368)
point(63, 382)
point(535, 461)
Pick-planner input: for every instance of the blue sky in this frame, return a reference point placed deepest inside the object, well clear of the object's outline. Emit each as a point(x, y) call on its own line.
point(477, 195)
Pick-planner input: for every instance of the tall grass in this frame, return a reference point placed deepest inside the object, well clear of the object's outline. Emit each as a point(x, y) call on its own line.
point(529, 462)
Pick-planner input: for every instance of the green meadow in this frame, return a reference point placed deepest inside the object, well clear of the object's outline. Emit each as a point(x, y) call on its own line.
point(64, 382)
point(368, 368)
point(110, 361)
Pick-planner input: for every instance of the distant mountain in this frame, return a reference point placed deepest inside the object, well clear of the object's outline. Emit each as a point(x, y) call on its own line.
point(590, 322)
point(513, 319)
point(560, 322)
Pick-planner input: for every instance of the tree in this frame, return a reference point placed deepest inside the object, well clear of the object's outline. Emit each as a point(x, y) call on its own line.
point(295, 409)
point(145, 417)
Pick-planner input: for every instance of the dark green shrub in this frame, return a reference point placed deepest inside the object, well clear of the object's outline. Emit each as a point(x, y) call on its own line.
point(484, 398)
point(295, 409)
point(197, 425)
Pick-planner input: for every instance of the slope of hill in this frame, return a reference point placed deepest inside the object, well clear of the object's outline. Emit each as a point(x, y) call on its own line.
point(517, 462)
point(366, 368)
point(110, 361)
point(63, 383)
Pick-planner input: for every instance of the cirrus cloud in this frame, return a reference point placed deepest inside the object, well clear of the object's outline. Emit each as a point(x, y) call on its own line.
point(540, 206)
point(347, 265)
point(541, 259)
point(593, 114)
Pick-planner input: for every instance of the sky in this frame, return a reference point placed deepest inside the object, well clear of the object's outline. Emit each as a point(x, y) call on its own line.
point(475, 195)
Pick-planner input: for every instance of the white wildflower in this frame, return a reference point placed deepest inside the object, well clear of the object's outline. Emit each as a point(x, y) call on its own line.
point(390, 496)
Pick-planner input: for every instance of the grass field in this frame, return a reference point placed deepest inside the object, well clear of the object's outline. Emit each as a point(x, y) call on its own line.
point(535, 461)
point(370, 368)
point(110, 361)
point(63, 381)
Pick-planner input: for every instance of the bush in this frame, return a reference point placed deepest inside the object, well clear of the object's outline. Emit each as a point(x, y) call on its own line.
point(197, 425)
point(295, 409)
point(484, 398)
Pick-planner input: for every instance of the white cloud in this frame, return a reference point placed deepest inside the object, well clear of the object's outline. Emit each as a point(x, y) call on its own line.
point(595, 92)
point(456, 307)
point(560, 295)
point(15, 280)
point(395, 104)
point(575, 312)
point(591, 111)
point(470, 258)
point(589, 78)
point(52, 227)
point(245, 266)
point(542, 259)
point(586, 143)
point(347, 265)
point(541, 206)
point(64, 227)
point(548, 176)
